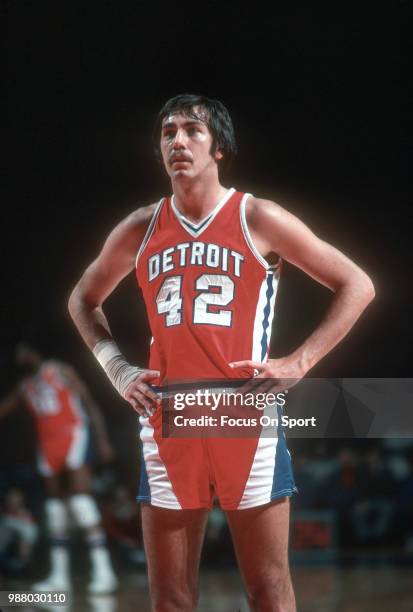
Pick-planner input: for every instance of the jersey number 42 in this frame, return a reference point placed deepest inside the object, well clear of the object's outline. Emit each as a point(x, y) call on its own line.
point(216, 290)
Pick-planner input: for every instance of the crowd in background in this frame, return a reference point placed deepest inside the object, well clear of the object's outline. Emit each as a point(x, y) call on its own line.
point(367, 484)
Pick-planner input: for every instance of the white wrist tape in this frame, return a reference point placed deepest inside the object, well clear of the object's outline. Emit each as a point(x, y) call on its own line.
point(119, 371)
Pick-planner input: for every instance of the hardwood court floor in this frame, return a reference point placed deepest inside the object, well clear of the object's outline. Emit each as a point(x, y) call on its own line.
point(318, 589)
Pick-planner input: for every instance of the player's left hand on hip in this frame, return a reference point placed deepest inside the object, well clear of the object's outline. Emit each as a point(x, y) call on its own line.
point(141, 396)
point(274, 375)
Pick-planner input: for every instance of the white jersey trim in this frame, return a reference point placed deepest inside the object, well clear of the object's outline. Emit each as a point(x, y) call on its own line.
point(160, 485)
point(248, 238)
point(43, 465)
point(259, 484)
point(149, 231)
point(196, 229)
point(77, 453)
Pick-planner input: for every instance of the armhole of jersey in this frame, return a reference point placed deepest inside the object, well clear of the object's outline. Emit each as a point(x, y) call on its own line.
point(149, 231)
point(248, 238)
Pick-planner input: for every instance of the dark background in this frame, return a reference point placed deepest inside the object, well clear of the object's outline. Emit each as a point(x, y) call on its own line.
point(317, 96)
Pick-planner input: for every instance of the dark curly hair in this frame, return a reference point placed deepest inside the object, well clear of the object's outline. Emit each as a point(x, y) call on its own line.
point(215, 116)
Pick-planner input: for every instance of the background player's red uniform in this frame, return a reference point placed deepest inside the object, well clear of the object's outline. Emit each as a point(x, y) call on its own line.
point(60, 420)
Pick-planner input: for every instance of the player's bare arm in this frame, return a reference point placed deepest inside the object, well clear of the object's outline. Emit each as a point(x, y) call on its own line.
point(103, 275)
point(9, 403)
point(274, 230)
point(114, 262)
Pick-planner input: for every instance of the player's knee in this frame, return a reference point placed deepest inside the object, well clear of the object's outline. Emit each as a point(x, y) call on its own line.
point(272, 594)
point(84, 510)
point(172, 598)
point(56, 516)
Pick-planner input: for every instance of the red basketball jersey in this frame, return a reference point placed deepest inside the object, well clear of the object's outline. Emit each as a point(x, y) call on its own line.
point(209, 294)
point(55, 407)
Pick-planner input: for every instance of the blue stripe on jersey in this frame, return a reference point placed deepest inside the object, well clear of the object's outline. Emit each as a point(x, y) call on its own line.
point(283, 481)
point(144, 492)
point(267, 311)
point(90, 449)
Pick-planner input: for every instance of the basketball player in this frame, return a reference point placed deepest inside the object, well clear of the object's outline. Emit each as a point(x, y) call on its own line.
point(58, 401)
point(207, 260)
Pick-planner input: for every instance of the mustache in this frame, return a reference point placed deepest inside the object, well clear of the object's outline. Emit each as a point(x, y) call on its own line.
point(179, 157)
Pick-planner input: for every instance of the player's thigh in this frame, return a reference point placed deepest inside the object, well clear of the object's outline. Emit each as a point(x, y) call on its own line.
point(173, 542)
point(260, 537)
point(52, 485)
point(79, 480)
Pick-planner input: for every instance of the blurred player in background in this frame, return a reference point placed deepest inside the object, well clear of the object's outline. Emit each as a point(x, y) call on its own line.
point(61, 407)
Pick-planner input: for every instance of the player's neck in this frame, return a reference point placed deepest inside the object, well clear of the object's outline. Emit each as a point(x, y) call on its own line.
point(195, 200)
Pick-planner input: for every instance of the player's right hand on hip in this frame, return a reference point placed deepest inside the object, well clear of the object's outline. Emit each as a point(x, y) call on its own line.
point(140, 395)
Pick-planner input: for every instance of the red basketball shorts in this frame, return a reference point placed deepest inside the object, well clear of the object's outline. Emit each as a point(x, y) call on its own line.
point(189, 473)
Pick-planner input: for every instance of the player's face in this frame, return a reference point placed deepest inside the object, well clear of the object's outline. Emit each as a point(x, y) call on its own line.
point(186, 145)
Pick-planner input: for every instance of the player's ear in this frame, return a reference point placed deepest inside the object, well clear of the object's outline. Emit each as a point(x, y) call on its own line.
point(218, 154)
